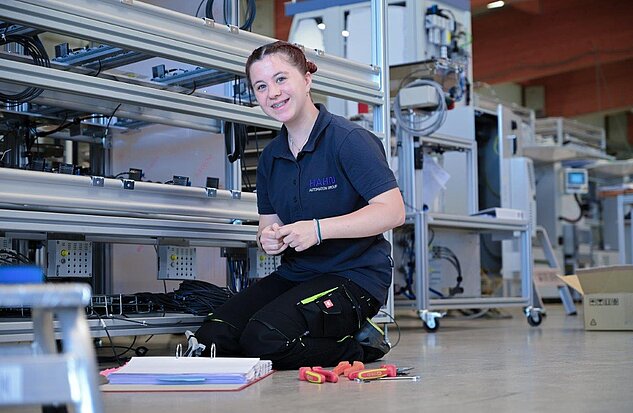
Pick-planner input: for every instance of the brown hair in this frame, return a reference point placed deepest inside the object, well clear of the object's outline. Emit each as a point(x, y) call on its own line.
point(293, 54)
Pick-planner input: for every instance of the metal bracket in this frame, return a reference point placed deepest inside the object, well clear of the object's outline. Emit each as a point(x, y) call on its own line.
point(128, 184)
point(212, 192)
point(97, 181)
point(236, 194)
point(106, 142)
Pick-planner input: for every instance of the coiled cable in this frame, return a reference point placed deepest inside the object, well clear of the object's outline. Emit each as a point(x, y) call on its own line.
point(34, 48)
point(416, 124)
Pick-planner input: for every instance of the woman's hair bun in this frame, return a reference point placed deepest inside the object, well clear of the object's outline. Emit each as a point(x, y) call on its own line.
point(311, 66)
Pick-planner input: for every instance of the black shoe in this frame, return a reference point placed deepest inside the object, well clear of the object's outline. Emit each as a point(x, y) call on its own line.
point(373, 341)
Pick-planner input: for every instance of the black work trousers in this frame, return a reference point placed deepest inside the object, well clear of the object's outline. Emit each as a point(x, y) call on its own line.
point(293, 324)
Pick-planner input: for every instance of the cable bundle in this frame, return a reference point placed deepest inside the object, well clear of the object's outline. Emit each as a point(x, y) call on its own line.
point(13, 257)
point(200, 297)
point(34, 48)
point(238, 273)
point(160, 302)
point(250, 13)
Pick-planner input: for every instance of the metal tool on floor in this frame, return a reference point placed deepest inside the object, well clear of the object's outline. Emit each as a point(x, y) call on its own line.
point(397, 378)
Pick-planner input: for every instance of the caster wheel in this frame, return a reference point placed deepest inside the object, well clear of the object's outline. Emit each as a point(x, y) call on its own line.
point(432, 326)
point(535, 319)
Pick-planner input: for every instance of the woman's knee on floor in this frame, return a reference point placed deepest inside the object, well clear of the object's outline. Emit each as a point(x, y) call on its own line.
point(260, 338)
point(222, 334)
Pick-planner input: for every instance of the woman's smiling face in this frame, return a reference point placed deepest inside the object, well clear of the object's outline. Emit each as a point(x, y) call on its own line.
point(280, 88)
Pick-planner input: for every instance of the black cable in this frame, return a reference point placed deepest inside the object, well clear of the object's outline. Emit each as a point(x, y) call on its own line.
point(34, 48)
point(18, 256)
point(200, 297)
point(251, 11)
point(198, 9)
point(448, 255)
point(64, 124)
point(397, 327)
point(105, 328)
point(249, 17)
point(194, 89)
point(581, 214)
point(409, 269)
point(98, 70)
point(119, 355)
point(110, 119)
point(60, 127)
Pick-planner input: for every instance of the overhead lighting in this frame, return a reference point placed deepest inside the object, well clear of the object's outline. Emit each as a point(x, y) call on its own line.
point(345, 33)
point(321, 26)
point(495, 4)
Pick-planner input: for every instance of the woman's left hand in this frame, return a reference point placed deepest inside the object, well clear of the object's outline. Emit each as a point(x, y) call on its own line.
point(300, 235)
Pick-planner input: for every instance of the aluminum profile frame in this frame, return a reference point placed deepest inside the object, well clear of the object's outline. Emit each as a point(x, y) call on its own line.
point(36, 202)
point(169, 323)
point(149, 29)
point(167, 105)
point(69, 193)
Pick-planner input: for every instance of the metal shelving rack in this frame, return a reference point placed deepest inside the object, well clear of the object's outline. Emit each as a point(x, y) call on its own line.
point(423, 221)
point(560, 139)
point(148, 30)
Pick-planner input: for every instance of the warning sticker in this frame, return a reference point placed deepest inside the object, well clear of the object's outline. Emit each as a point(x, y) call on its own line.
point(11, 384)
point(593, 322)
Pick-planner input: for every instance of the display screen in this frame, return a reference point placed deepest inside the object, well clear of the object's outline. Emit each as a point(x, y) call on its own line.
point(576, 178)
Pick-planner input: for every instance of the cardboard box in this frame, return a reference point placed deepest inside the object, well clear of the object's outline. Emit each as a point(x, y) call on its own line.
point(607, 296)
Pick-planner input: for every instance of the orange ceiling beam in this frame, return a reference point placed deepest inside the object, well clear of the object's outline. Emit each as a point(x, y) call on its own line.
point(601, 88)
point(565, 35)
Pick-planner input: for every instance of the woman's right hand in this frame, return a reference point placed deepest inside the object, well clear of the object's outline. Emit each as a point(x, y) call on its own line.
point(269, 242)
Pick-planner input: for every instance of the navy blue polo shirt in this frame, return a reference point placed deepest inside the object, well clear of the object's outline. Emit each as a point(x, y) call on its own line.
point(341, 167)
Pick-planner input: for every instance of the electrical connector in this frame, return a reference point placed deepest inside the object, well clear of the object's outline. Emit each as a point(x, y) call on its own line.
point(181, 180)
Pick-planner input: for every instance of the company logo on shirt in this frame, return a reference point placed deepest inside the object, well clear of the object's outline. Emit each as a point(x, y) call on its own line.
point(325, 183)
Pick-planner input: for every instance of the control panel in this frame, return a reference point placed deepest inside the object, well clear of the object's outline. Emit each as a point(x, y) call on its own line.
point(176, 263)
point(69, 258)
point(262, 264)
